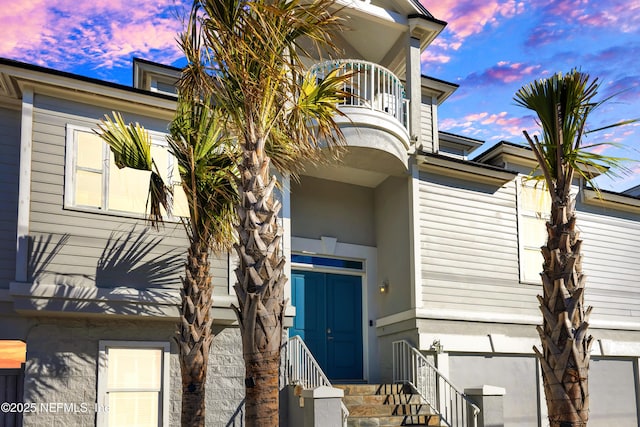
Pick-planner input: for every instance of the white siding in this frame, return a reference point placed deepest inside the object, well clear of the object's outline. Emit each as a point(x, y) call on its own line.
point(611, 262)
point(468, 234)
point(426, 124)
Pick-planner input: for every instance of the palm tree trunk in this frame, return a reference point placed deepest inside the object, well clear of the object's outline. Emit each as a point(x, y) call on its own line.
point(566, 345)
point(260, 288)
point(195, 334)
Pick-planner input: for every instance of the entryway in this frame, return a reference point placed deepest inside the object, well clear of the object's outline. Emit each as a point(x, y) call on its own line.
point(329, 320)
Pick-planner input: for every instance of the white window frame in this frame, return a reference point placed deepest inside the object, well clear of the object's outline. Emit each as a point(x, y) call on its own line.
point(157, 138)
point(102, 400)
point(523, 213)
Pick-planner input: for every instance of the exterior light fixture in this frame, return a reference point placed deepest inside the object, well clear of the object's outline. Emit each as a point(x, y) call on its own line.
point(384, 287)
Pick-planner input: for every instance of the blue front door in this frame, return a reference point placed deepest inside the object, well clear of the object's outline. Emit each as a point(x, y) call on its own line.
point(329, 319)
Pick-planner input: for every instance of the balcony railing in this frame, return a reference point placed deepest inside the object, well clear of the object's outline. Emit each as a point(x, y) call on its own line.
point(371, 86)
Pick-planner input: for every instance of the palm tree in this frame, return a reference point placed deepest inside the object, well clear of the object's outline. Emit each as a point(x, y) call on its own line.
point(563, 104)
point(207, 173)
point(245, 55)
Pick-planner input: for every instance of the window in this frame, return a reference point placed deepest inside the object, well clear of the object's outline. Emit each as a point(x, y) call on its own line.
point(534, 205)
point(94, 182)
point(133, 384)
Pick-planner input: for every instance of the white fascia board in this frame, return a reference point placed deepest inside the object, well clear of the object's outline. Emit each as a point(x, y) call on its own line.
point(620, 202)
point(464, 170)
point(88, 91)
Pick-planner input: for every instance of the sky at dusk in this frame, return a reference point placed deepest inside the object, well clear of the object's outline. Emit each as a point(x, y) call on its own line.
point(489, 47)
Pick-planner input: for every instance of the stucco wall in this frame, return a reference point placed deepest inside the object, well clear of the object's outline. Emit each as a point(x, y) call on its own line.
point(393, 241)
point(328, 208)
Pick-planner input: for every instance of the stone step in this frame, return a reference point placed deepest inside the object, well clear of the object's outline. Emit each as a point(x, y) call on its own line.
point(382, 399)
point(373, 389)
point(382, 410)
point(394, 421)
point(386, 405)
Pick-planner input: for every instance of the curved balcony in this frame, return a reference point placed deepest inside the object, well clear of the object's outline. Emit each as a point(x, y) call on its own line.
point(376, 110)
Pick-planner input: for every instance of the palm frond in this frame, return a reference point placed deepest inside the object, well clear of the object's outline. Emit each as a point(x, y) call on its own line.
point(207, 170)
point(131, 147)
point(563, 104)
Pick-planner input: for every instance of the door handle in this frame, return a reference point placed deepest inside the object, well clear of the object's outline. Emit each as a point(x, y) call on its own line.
point(329, 338)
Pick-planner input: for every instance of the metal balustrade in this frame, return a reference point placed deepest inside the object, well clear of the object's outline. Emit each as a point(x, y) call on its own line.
point(371, 86)
point(302, 369)
point(411, 367)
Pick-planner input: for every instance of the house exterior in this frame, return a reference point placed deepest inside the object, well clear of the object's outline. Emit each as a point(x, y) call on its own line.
point(408, 237)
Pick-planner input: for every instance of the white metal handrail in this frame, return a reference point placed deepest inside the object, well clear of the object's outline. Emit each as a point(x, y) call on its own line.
point(411, 367)
point(302, 369)
point(371, 86)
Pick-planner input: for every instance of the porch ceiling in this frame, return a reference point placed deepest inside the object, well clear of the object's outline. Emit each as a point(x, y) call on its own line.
point(360, 166)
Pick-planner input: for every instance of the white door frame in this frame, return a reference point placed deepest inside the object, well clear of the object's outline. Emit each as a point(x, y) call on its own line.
point(329, 247)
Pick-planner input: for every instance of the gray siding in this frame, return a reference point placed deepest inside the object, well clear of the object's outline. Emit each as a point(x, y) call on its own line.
point(469, 247)
point(611, 262)
point(92, 249)
point(9, 171)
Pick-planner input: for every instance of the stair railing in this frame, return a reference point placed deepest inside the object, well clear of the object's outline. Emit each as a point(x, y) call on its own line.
point(302, 369)
point(411, 367)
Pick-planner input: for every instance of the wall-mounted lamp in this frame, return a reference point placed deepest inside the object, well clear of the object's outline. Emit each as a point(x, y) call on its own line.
point(384, 287)
point(437, 346)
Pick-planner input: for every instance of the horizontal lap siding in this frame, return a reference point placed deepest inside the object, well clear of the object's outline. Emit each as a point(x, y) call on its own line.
point(426, 125)
point(92, 249)
point(469, 247)
point(9, 172)
point(611, 249)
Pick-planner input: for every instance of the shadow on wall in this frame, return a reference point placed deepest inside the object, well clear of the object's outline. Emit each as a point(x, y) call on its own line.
point(128, 259)
point(52, 363)
point(128, 263)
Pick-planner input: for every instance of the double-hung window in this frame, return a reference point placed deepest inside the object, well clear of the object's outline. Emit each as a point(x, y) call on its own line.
point(95, 183)
point(534, 205)
point(133, 384)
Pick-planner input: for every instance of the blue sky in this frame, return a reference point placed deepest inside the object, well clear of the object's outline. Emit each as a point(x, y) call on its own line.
point(489, 47)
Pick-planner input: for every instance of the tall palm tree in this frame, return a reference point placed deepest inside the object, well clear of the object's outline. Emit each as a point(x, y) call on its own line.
point(207, 173)
point(245, 54)
point(562, 104)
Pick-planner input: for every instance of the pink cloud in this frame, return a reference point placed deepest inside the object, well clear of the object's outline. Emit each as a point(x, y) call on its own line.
point(468, 17)
point(561, 19)
point(503, 72)
point(431, 57)
point(54, 33)
point(489, 126)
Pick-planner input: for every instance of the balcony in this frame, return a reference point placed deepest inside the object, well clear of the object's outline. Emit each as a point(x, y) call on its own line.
point(376, 112)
